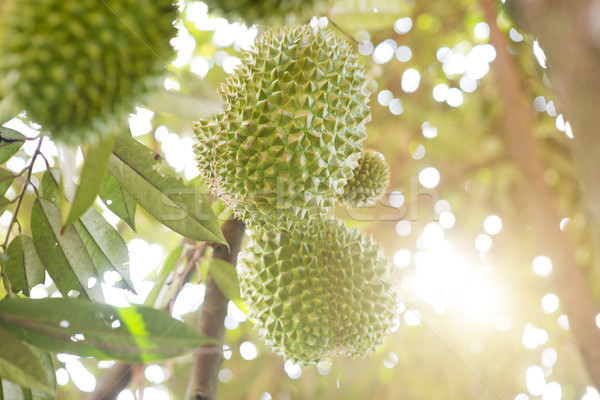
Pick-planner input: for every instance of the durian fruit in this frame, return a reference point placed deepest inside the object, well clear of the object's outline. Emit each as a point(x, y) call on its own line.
point(318, 291)
point(78, 67)
point(370, 179)
point(268, 12)
point(292, 130)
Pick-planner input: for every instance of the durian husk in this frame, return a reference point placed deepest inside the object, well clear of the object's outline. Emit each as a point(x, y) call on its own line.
point(319, 291)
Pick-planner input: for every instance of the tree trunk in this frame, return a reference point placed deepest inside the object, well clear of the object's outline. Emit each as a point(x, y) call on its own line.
point(569, 34)
point(569, 279)
point(205, 366)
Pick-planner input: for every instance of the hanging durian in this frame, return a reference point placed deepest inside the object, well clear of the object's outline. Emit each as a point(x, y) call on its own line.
point(369, 181)
point(318, 291)
point(78, 67)
point(292, 130)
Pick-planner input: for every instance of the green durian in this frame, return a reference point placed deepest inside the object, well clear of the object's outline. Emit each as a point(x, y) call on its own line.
point(369, 181)
point(268, 12)
point(292, 130)
point(78, 67)
point(318, 291)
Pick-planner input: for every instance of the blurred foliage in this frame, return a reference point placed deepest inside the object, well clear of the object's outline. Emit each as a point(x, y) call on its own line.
point(463, 351)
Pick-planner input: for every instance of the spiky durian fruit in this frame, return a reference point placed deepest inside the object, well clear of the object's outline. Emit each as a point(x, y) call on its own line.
point(318, 291)
point(292, 130)
point(267, 11)
point(79, 66)
point(370, 179)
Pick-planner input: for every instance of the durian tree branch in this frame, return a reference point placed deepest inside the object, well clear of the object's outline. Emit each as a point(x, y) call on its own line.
point(116, 379)
point(569, 279)
point(205, 365)
point(14, 220)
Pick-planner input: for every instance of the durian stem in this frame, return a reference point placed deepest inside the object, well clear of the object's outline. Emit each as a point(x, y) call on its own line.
point(205, 366)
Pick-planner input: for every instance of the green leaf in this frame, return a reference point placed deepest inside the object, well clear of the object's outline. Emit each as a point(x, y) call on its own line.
point(4, 202)
point(10, 142)
point(6, 179)
point(63, 254)
point(13, 391)
point(24, 268)
point(20, 365)
point(144, 175)
point(118, 201)
point(132, 334)
point(161, 292)
point(105, 245)
point(92, 177)
point(226, 278)
point(50, 188)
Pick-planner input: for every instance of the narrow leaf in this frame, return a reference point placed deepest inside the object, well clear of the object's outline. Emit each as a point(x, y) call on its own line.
point(4, 202)
point(105, 245)
point(226, 278)
point(118, 201)
point(132, 334)
point(13, 391)
point(6, 179)
point(19, 365)
point(92, 177)
point(144, 175)
point(10, 142)
point(24, 268)
point(160, 294)
point(50, 188)
point(64, 255)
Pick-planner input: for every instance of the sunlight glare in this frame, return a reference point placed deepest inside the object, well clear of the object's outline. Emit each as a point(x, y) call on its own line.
point(429, 177)
point(402, 258)
point(81, 377)
point(403, 228)
point(294, 371)
point(542, 265)
point(410, 80)
point(483, 242)
point(549, 357)
point(553, 391)
point(447, 220)
point(591, 394)
point(503, 323)
point(550, 303)
point(492, 224)
point(536, 383)
point(533, 337)
point(248, 351)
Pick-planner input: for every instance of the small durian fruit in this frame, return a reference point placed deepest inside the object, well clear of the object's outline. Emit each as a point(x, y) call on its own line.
point(319, 291)
point(292, 129)
point(267, 12)
point(369, 181)
point(78, 67)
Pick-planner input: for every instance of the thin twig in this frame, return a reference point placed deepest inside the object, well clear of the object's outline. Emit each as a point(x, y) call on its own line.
point(22, 195)
point(349, 36)
point(15, 214)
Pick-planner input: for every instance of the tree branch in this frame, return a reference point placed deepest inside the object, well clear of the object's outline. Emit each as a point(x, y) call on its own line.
point(568, 277)
point(205, 366)
point(113, 382)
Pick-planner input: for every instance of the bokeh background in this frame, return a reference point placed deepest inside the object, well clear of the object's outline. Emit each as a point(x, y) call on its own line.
point(481, 317)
